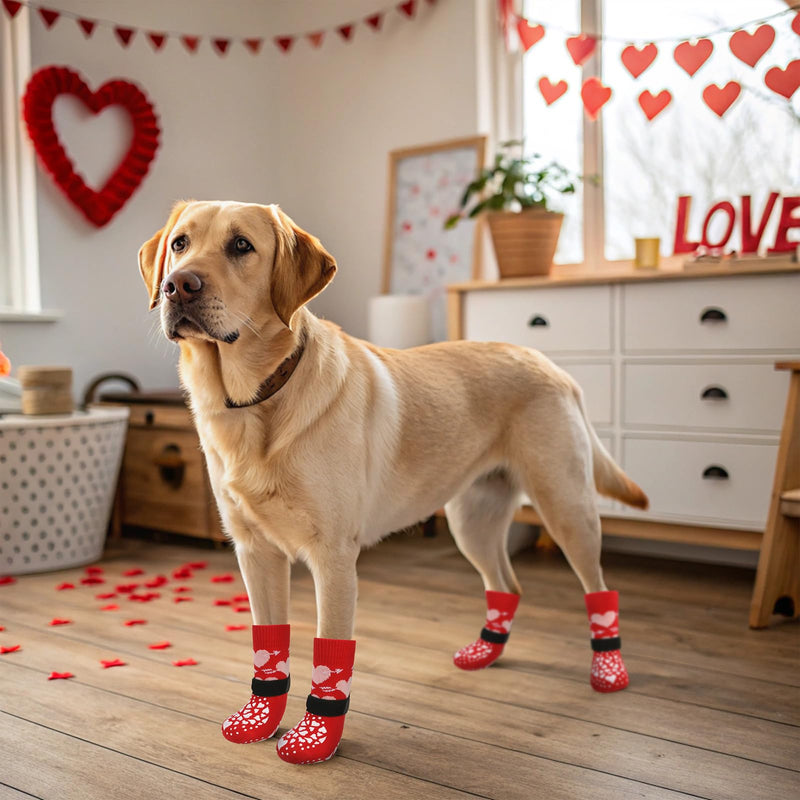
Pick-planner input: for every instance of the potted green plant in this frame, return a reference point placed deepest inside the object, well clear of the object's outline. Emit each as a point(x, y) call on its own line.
point(515, 193)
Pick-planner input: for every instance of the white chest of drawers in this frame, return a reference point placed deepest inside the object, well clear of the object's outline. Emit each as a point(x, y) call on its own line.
point(677, 370)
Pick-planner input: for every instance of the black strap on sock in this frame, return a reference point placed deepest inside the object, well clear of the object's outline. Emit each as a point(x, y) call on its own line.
point(327, 708)
point(270, 688)
point(493, 636)
point(604, 645)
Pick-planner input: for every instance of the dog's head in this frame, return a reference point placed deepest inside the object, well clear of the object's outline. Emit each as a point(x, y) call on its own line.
point(218, 267)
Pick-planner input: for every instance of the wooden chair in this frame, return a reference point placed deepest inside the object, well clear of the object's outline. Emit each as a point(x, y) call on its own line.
point(777, 588)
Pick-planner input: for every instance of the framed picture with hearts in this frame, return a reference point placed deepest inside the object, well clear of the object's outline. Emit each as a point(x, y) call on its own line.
point(425, 187)
point(98, 206)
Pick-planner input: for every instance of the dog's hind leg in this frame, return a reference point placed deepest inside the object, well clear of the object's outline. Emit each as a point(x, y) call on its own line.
point(479, 519)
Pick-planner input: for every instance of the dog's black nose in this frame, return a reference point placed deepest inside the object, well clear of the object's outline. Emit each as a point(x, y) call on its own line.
point(181, 285)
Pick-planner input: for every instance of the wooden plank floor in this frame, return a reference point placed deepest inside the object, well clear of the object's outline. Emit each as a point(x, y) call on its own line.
point(713, 709)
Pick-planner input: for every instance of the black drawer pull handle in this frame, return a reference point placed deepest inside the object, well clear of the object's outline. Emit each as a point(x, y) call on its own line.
point(149, 418)
point(714, 393)
point(713, 315)
point(715, 473)
point(171, 466)
point(538, 321)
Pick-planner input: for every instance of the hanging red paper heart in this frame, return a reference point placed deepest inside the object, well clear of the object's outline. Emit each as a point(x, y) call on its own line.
point(784, 81)
point(720, 100)
point(594, 96)
point(37, 108)
point(581, 47)
point(528, 34)
point(749, 47)
point(636, 61)
point(795, 24)
point(692, 56)
point(551, 91)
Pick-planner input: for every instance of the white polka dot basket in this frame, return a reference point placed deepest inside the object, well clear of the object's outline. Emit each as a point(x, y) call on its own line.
point(57, 480)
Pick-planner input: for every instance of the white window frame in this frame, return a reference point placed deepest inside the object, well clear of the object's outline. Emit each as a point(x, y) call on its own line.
point(19, 242)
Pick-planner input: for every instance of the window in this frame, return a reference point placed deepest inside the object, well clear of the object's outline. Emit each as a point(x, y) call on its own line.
point(643, 167)
point(19, 277)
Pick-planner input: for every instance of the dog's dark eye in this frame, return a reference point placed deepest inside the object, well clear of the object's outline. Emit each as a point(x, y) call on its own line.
point(241, 245)
point(178, 245)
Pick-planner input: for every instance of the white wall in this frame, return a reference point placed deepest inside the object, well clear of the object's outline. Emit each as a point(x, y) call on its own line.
point(309, 130)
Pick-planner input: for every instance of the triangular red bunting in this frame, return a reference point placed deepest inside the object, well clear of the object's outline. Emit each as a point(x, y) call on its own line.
point(346, 31)
point(49, 17)
point(284, 42)
point(124, 35)
point(253, 45)
point(407, 8)
point(375, 21)
point(221, 45)
point(315, 38)
point(12, 7)
point(190, 43)
point(157, 39)
point(87, 26)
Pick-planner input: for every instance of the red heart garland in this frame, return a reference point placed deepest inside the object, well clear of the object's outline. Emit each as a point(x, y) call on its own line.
point(594, 96)
point(37, 108)
point(784, 81)
point(636, 61)
point(692, 56)
point(551, 91)
point(749, 47)
point(795, 24)
point(528, 34)
point(581, 47)
point(719, 100)
point(653, 105)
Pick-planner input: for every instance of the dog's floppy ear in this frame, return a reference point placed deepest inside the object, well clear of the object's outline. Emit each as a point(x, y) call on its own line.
point(153, 255)
point(302, 266)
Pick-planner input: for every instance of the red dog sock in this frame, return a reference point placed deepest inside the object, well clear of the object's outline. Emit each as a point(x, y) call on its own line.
point(316, 737)
point(608, 669)
point(261, 715)
point(487, 648)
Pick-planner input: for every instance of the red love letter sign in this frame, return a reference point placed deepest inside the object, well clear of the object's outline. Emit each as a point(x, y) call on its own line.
point(787, 221)
point(682, 244)
point(727, 207)
point(750, 240)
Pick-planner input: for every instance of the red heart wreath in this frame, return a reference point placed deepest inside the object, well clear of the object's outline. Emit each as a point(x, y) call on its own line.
point(37, 110)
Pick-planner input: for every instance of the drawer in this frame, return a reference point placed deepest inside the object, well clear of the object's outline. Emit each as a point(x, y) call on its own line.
point(561, 320)
point(725, 314)
point(711, 396)
point(671, 472)
point(164, 484)
point(596, 382)
point(161, 416)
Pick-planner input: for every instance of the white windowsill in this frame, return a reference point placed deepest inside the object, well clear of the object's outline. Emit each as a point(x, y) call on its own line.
point(46, 315)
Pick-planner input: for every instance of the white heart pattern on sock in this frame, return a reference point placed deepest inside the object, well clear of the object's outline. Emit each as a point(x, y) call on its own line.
point(604, 620)
point(320, 673)
point(492, 614)
point(344, 687)
point(260, 657)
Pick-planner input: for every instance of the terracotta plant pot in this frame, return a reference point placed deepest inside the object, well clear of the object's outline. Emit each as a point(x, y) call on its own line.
point(524, 242)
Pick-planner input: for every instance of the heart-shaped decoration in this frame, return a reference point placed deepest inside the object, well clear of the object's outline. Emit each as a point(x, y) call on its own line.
point(100, 206)
point(492, 614)
point(581, 47)
point(594, 96)
point(636, 61)
point(784, 81)
point(796, 24)
point(719, 100)
point(528, 34)
point(749, 47)
point(604, 620)
point(691, 57)
point(551, 91)
point(320, 674)
point(344, 687)
point(260, 657)
point(653, 105)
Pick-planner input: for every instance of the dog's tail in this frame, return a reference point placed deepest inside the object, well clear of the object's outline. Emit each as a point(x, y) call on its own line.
point(609, 478)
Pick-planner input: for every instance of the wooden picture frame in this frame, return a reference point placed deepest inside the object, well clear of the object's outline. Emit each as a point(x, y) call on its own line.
point(421, 257)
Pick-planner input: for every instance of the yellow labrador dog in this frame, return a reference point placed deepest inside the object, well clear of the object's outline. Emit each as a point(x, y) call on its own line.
point(319, 444)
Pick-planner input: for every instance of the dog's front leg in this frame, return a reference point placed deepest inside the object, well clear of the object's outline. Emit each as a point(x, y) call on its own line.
point(316, 737)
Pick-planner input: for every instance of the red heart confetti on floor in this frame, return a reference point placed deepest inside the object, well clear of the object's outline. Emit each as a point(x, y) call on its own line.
point(179, 589)
point(240, 598)
point(241, 609)
point(59, 621)
point(130, 573)
point(130, 622)
point(154, 583)
point(94, 570)
point(114, 662)
point(182, 573)
point(145, 597)
point(127, 587)
point(197, 564)
point(59, 676)
point(92, 580)
point(160, 645)
point(105, 595)
point(235, 627)
point(110, 607)
point(7, 580)
point(221, 602)
point(62, 586)
point(2, 628)
point(12, 649)
point(182, 599)
point(184, 662)
point(225, 578)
